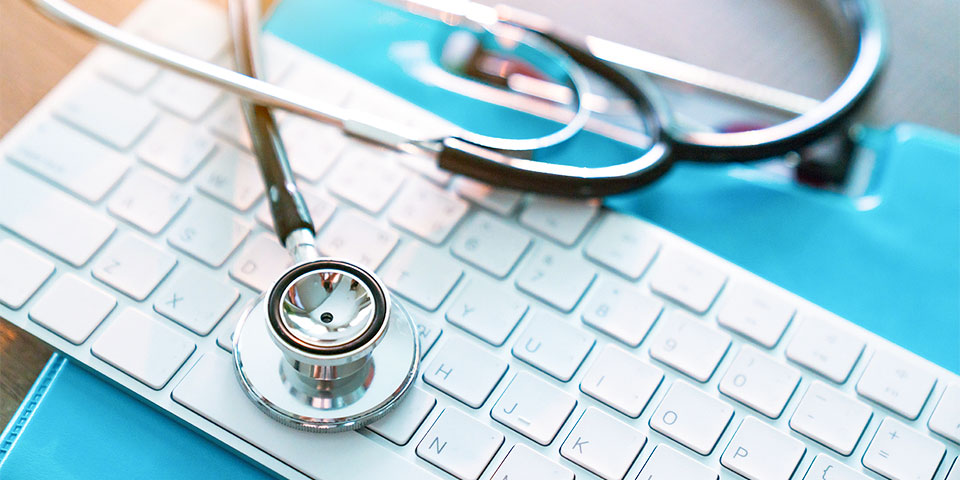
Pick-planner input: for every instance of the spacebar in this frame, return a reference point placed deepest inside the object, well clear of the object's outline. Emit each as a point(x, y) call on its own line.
point(211, 390)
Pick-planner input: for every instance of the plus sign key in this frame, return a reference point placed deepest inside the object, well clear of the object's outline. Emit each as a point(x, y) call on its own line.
point(603, 444)
point(898, 451)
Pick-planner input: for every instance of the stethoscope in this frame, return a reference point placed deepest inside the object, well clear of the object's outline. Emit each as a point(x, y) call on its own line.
point(327, 348)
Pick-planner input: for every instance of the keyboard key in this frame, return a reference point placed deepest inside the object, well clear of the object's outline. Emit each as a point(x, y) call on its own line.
point(261, 262)
point(621, 381)
point(825, 348)
point(946, 416)
point(426, 211)
point(603, 444)
point(524, 463)
point(321, 209)
point(756, 314)
point(900, 384)
point(126, 70)
point(107, 112)
point(199, 31)
point(459, 445)
point(82, 165)
point(133, 266)
point(312, 148)
point(552, 345)
point(666, 463)
point(143, 348)
point(428, 333)
point(759, 452)
point(487, 310)
point(490, 244)
point(365, 177)
point(421, 274)
point(72, 308)
point(691, 417)
point(899, 452)
point(354, 237)
point(403, 421)
point(195, 299)
point(184, 96)
point(228, 123)
point(208, 232)
point(533, 408)
point(688, 345)
point(147, 201)
point(465, 371)
point(175, 147)
point(556, 277)
point(759, 382)
point(23, 272)
point(42, 214)
point(232, 176)
point(686, 280)
point(621, 311)
point(498, 200)
point(623, 244)
point(426, 168)
point(831, 418)
point(823, 464)
point(561, 219)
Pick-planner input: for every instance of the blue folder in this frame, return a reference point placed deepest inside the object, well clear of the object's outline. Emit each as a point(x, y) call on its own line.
point(889, 260)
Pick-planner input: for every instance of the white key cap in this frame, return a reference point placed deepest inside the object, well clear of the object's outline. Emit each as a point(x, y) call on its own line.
point(621, 311)
point(21, 274)
point(897, 383)
point(459, 445)
point(198, 30)
point(899, 452)
point(147, 200)
point(623, 244)
point(195, 299)
point(524, 463)
point(72, 308)
point(561, 219)
point(756, 314)
point(686, 280)
point(208, 232)
point(184, 96)
point(320, 209)
point(825, 348)
point(211, 390)
point(356, 238)
point(365, 177)
point(261, 262)
point(404, 420)
point(490, 244)
point(107, 112)
point(831, 418)
point(74, 161)
point(533, 408)
point(43, 215)
point(426, 211)
point(759, 382)
point(556, 277)
point(688, 345)
point(759, 452)
point(143, 348)
point(603, 444)
point(487, 310)
point(825, 467)
point(465, 371)
point(621, 380)
point(421, 274)
point(946, 416)
point(133, 266)
point(126, 70)
point(666, 463)
point(311, 147)
point(428, 333)
point(426, 168)
point(175, 147)
point(691, 417)
point(552, 345)
point(232, 176)
point(498, 200)
point(228, 123)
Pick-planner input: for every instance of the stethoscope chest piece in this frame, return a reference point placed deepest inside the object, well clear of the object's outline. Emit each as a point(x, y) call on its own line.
point(326, 349)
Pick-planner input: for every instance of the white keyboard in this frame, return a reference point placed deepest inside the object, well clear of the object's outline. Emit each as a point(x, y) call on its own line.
point(134, 230)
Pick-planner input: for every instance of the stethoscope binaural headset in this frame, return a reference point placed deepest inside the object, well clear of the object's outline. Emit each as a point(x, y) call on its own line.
point(327, 348)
